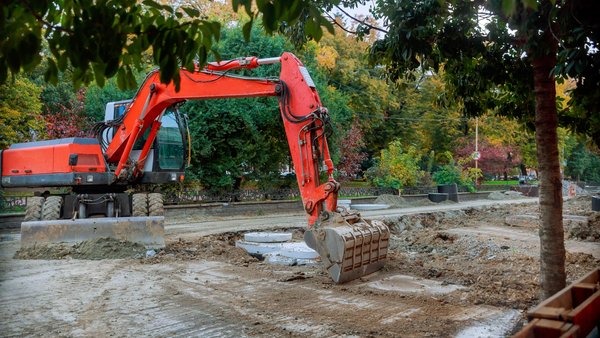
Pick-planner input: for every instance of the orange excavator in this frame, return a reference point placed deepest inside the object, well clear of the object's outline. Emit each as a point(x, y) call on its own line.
point(131, 149)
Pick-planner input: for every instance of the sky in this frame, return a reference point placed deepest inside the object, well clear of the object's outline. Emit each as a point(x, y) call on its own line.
point(358, 11)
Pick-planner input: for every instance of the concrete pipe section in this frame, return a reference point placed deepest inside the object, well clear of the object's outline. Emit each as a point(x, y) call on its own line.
point(277, 248)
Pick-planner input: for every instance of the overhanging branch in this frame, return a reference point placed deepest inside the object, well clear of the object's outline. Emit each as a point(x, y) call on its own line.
point(363, 22)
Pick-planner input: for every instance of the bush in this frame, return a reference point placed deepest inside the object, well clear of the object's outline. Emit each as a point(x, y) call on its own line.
point(455, 173)
point(397, 167)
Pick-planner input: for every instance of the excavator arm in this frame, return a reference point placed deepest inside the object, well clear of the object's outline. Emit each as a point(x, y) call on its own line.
point(349, 245)
point(304, 118)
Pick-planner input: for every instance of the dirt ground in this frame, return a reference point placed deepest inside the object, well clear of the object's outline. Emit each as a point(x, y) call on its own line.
point(450, 273)
point(101, 248)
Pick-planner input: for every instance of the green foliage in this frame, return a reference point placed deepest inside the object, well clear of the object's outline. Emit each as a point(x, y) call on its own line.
point(448, 174)
point(228, 143)
point(352, 90)
point(97, 97)
point(233, 45)
point(502, 182)
point(583, 165)
point(397, 167)
point(491, 67)
point(457, 172)
point(431, 122)
point(102, 39)
point(20, 112)
point(239, 139)
point(55, 97)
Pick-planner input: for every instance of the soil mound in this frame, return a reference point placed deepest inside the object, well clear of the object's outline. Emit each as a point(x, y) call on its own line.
point(101, 248)
point(391, 200)
point(219, 247)
point(396, 201)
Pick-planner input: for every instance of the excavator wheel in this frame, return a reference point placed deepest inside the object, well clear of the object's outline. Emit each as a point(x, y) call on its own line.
point(139, 205)
point(155, 205)
point(33, 212)
point(51, 208)
point(350, 246)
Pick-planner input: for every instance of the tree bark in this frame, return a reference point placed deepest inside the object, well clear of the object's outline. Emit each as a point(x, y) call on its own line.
point(552, 245)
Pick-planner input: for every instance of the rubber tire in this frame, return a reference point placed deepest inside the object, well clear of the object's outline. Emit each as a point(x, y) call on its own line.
point(139, 205)
point(33, 211)
point(51, 209)
point(155, 204)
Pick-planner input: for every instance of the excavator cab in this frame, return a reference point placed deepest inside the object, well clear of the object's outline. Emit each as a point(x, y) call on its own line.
point(170, 152)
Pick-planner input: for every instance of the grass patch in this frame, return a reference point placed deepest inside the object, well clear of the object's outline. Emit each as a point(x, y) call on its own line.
point(356, 184)
point(512, 182)
point(12, 210)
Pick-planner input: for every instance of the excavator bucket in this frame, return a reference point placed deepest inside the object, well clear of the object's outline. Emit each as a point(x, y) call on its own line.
point(350, 246)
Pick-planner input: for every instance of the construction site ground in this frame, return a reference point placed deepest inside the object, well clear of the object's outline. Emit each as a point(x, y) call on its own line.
point(453, 270)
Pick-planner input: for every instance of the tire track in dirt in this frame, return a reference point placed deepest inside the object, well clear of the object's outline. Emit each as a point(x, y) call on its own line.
point(316, 308)
point(47, 296)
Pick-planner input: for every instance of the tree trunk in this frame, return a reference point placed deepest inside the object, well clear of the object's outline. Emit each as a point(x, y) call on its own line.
point(552, 245)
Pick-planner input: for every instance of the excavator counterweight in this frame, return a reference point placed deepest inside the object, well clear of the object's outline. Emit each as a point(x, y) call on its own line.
point(145, 141)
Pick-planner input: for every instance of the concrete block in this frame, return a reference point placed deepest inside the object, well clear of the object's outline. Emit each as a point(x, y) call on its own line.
point(268, 237)
point(437, 197)
point(450, 189)
point(274, 258)
point(258, 248)
point(347, 204)
point(298, 250)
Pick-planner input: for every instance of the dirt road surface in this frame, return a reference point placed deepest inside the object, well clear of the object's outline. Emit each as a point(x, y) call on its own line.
point(453, 270)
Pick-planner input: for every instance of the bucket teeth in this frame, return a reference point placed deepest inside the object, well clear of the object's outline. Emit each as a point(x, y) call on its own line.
point(350, 251)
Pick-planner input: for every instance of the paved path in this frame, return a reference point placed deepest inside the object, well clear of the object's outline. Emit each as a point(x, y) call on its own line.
point(211, 227)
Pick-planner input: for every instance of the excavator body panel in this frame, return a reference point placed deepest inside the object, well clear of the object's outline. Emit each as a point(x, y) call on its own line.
point(60, 162)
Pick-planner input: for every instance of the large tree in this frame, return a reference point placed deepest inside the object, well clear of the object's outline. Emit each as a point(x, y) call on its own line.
point(505, 55)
